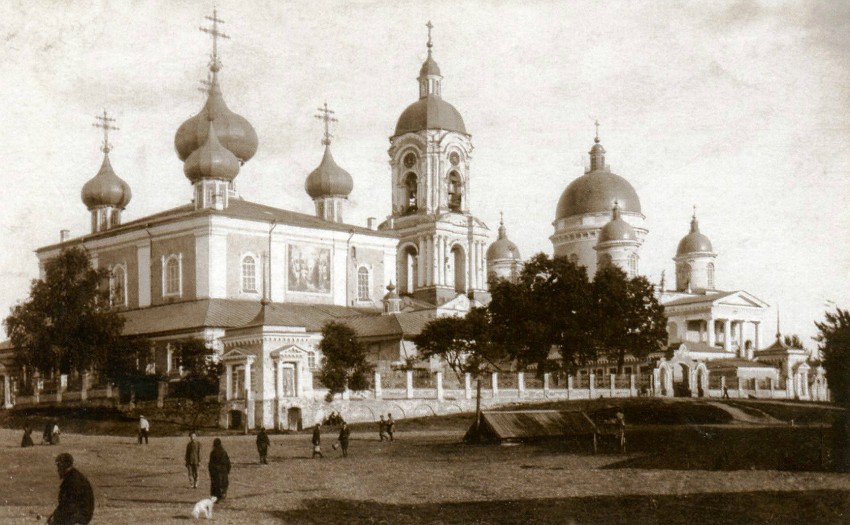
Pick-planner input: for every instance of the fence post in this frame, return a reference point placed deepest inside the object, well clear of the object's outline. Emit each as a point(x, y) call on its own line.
point(722, 386)
point(439, 386)
point(467, 385)
point(546, 378)
point(591, 385)
point(520, 383)
point(161, 388)
point(84, 389)
point(757, 387)
point(378, 391)
point(633, 386)
point(772, 386)
point(409, 378)
point(108, 389)
point(569, 386)
point(613, 385)
point(740, 389)
point(494, 384)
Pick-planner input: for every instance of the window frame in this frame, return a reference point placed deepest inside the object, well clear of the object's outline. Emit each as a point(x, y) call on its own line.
point(177, 259)
point(364, 271)
point(243, 275)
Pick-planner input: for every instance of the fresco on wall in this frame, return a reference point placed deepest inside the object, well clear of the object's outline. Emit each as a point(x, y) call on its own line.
point(309, 269)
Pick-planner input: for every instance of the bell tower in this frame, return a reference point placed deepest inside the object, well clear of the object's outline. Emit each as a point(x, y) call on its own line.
point(442, 248)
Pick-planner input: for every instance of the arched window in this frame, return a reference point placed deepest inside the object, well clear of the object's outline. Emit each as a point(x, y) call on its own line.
point(171, 278)
point(249, 274)
point(410, 187)
point(710, 271)
point(118, 286)
point(455, 191)
point(363, 284)
point(633, 265)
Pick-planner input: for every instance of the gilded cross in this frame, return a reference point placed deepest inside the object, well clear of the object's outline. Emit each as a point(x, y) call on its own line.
point(104, 122)
point(597, 130)
point(430, 26)
point(213, 31)
point(325, 115)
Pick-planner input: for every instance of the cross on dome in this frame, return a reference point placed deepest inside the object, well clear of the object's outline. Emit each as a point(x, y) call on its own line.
point(597, 131)
point(215, 63)
point(325, 115)
point(430, 26)
point(206, 84)
point(105, 123)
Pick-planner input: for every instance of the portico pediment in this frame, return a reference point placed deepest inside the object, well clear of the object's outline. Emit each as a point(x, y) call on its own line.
point(289, 353)
point(741, 298)
point(237, 355)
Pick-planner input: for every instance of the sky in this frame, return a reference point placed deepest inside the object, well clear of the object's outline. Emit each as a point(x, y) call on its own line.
point(739, 108)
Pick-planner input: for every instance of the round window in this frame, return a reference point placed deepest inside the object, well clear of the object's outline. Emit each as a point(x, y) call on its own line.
point(409, 160)
point(454, 158)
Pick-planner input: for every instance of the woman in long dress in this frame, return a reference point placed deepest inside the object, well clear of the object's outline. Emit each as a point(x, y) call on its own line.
point(219, 467)
point(26, 441)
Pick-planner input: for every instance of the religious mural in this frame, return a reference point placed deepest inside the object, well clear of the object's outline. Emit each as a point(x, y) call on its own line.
point(309, 269)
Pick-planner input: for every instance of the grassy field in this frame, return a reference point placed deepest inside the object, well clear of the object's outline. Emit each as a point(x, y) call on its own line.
point(680, 472)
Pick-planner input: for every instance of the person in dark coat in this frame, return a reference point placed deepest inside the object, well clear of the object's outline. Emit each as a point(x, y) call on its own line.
point(193, 459)
point(382, 428)
point(219, 467)
point(317, 441)
point(76, 498)
point(391, 427)
point(26, 441)
point(263, 444)
point(344, 434)
point(47, 435)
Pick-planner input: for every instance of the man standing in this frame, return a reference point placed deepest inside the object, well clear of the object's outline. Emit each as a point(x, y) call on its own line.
point(317, 441)
point(144, 429)
point(193, 459)
point(382, 428)
point(263, 444)
point(344, 434)
point(76, 498)
point(390, 426)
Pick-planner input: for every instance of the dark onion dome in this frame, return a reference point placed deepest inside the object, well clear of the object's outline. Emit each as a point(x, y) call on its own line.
point(328, 179)
point(234, 132)
point(212, 160)
point(106, 189)
point(503, 248)
point(617, 229)
point(694, 242)
point(430, 112)
point(597, 190)
point(391, 293)
point(429, 67)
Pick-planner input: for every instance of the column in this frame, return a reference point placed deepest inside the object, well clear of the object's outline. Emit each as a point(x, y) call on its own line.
point(246, 379)
point(591, 385)
point(420, 268)
point(443, 260)
point(7, 392)
point(632, 385)
point(495, 383)
point(741, 344)
point(569, 387)
point(756, 340)
point(711, 332)
point(439, 379)
point(722, 386)
point(228, 380)
point(378, 391)
point(520, 383)
point(467, 385)
point(143, 257)
point(409, 378)
point(299, 382)
point(727, 335)
point(84, 389)
point(429, 261)
point(278, 393)
point(613, 384)
point(546, 378)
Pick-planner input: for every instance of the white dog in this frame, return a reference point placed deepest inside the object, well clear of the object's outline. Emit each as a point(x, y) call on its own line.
point(205, 507)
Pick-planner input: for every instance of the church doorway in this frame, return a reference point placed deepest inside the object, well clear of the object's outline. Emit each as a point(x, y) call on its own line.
point(293, 419)
point(236, 419)
point(681, 381)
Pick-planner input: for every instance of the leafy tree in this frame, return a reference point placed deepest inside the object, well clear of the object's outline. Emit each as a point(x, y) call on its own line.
point(627, 318)
point(200, 374)
point(793, 341)
point(547, 307)
point(66, 324)
point(344, 360)
point(462, 342)
point(834, 339)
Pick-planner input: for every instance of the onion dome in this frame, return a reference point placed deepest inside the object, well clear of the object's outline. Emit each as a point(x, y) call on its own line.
point(328, 179)
point(429, 67)
point(694, 242)
point(234, 132)
point(106, 188)
point(503, 248)
point(597, 190)
point(617, 229)
point(211, 160)
point(391, 293)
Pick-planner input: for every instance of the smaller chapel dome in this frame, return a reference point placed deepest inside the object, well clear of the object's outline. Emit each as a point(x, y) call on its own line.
point(106, 189)
point(694, 242)
point(391, 293)
point(617, 229)
point(503, 248)
point(429, 67)
point(328, 179)
point(212, 160)
point(430, 112)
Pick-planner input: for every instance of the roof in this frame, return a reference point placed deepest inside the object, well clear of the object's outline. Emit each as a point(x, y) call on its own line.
point(596, 192)
point(707, 298)
point(106, 188)
point(237, 208)
point(430, 112)
point(530, 425)
point(733, 363)
point(694, 242)
point(328, 178)
point(400, 325)
point(230, 313)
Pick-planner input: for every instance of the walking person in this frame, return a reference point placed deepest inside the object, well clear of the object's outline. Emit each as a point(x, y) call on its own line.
point(317, 441)
point(263, 444)
point(144, 429)
point(382, 428)
point(76, 498)
point(26, 441)
point(47, 435)
point(390, 427)
point(193, 459)
point(219, 467)
point(54, 437)
point(344, 434)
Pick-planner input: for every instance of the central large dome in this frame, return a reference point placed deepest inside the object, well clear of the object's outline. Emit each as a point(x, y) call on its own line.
point(430, 112)
point(596, 192)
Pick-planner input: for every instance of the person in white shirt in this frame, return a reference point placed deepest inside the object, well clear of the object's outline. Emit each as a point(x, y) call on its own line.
point(144, 429)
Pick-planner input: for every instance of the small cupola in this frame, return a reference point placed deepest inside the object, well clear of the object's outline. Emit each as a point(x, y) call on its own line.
point(392, 302)
point(328, 185)
point(106, 194)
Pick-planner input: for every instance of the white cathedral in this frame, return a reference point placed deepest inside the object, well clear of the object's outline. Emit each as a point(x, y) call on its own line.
point(257, 282)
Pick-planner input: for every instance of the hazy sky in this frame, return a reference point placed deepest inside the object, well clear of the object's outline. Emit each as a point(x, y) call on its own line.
point(740, 108)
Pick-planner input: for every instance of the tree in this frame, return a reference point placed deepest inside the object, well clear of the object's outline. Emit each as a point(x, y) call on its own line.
point(200, 374)
point(793, 341)
point(462, 342)
point(627, 318)
point(66, 324)
point(344, 360)
point(547, 307)
point(834, 339)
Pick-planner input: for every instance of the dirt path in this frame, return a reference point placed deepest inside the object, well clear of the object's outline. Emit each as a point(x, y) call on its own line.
point(743, 417)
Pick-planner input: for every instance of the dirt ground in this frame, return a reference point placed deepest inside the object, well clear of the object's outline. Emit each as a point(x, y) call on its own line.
point(429, 477)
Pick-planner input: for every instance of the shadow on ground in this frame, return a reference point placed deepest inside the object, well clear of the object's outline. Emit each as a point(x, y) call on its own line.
point(761, 508)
